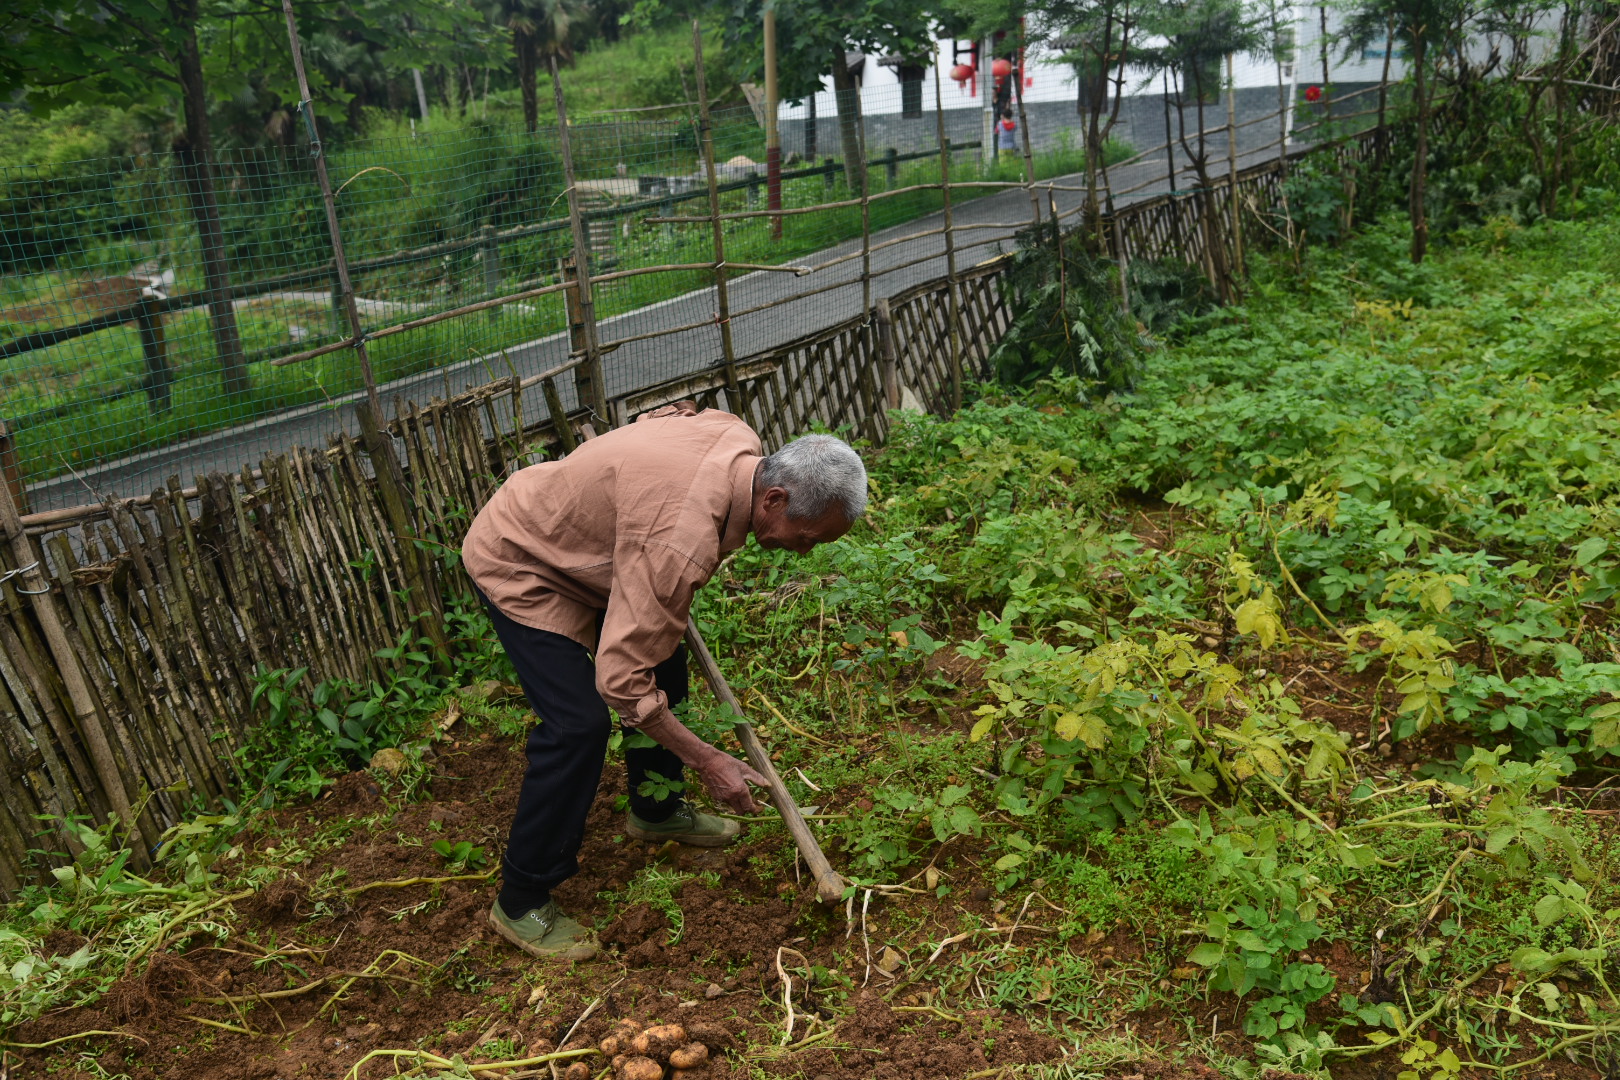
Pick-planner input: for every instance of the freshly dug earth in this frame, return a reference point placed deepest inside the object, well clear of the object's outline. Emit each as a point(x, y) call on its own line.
point(433, 976)
point(342, 955)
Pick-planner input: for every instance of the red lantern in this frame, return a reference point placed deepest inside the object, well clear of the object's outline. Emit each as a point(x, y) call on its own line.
point(1001, 68)
point(1313, 93)
point(962, 72)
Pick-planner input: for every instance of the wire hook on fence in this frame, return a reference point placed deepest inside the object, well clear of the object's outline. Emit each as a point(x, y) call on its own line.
point(9, 574)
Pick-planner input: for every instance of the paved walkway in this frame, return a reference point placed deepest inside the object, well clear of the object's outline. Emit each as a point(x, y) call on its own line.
point(634, 365)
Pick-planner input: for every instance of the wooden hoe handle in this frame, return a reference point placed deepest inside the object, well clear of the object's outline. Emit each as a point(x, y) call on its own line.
point(829, 885)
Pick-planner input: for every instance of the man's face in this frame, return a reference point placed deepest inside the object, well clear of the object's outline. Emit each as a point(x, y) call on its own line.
point(774, 529)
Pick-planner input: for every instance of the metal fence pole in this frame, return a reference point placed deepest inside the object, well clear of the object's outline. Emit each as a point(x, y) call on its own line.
point(866, 216)
point(1231, 164)
point(588, 379)
point(351, 311)
point(1023, 122)
point(722, 299)
point(950, 246)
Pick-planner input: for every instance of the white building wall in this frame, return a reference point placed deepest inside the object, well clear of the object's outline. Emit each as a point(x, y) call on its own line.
point(1047, 79)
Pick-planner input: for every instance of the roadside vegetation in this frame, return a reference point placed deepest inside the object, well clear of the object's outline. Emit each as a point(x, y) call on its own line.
point(1261, 714)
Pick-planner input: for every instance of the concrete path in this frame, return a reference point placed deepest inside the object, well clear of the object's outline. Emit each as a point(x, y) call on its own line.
point(634, 365)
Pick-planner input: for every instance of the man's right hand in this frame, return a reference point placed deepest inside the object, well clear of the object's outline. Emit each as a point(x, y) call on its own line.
point(727, 780)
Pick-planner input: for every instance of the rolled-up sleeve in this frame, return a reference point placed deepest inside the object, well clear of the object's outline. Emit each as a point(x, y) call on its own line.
point(653, 586)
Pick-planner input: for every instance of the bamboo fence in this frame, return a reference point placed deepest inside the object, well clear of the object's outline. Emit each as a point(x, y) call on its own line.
point(133, 632)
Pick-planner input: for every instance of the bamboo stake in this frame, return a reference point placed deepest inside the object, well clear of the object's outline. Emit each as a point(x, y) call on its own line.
point(594, 388)
point(722, 298)
point(559, 416)
point(351, 310)
point(31, 581)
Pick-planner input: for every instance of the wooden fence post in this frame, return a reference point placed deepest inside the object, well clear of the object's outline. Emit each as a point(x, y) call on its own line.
point(829, 171)
point(149, 323)
point(489, 255)
point(891, 167)
point(340, 262)
point(588, 377)
point(888, 366)
point(9, 471)
point(722, 298)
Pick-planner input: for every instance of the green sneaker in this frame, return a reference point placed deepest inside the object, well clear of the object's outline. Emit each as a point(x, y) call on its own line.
point(685, 826)
point(545, 932)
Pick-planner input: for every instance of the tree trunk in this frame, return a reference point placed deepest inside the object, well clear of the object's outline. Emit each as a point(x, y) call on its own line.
point(1420, 168)
point(192, 150)
point(523, 47)
point(848, 100)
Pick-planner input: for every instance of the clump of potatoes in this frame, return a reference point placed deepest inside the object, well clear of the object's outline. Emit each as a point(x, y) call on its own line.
point(661, 1052)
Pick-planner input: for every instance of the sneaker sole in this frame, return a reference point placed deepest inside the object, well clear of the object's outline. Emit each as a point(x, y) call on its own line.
point(692, 839)
point(585, 950)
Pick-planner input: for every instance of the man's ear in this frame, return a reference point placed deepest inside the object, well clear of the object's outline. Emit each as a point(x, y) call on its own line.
point(774, 499)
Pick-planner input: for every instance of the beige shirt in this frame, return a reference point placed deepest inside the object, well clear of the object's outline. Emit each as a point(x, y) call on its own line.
point(631, 523)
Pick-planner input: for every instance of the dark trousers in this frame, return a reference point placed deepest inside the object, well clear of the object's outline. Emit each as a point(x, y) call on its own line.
point(566, 749)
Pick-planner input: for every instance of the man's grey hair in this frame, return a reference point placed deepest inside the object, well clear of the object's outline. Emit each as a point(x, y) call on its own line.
point(817, 471)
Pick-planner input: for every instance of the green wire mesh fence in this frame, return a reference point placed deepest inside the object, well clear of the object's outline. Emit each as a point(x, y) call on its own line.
point(117, 372)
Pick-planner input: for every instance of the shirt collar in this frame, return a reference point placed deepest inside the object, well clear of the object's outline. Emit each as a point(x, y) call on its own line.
point(740, 518)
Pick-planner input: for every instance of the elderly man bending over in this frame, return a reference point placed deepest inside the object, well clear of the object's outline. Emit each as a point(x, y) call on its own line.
point(601, 553)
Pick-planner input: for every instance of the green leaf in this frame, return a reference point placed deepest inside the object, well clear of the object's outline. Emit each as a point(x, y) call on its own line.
point(1207, 954)
point(1589, 549)
point(1357, 856)
point(1549, 909)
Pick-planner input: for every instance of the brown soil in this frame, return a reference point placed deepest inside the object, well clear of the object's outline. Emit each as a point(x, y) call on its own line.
point(415, 966)
point(465, 992)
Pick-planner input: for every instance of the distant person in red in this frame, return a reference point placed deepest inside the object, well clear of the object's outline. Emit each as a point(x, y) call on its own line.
point(588, 566)
point(1006, 135)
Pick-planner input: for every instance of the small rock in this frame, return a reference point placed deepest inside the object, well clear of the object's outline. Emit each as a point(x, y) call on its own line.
point(890, 961)
point(390, 760)
point(980, 893)
point(686, 1005)
point(931, 878)
point(713, 991)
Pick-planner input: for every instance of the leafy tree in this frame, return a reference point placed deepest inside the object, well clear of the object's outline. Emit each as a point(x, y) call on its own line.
point(1426, 28)
point(540, 29)
point(813, 38)
point(1196, 36)
point(184, 53)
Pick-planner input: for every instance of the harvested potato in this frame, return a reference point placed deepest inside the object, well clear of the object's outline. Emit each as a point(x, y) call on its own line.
point(577, 1071)
point(609, 1046)
point(641, 1068)
point(665, 1039)
point(689, 1056)
point(618, 1061)
point(658, 1042)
